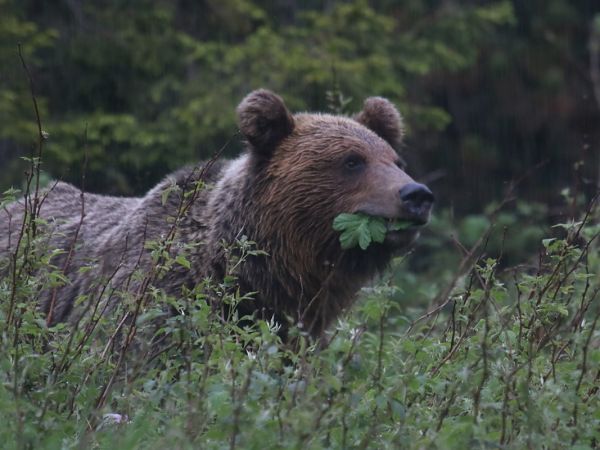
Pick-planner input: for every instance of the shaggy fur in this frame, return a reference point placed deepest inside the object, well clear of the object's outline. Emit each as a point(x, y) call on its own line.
point(298, 173)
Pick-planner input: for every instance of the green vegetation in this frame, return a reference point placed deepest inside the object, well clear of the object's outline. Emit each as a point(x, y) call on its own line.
point(503, 357)
point(488, 89)
point(485, 337)
point(362, 229)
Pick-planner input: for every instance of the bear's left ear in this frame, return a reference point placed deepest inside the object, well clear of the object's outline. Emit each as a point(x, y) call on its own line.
point(382, 117)
point(264, 120)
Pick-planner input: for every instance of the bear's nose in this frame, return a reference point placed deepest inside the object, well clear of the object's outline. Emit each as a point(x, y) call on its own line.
point(417, 201)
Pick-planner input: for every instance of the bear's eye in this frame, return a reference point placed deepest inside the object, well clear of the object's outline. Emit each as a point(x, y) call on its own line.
point(354, 162)
point(401, 163)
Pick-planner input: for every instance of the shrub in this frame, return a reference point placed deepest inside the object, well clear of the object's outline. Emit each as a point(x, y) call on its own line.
point(503, 357)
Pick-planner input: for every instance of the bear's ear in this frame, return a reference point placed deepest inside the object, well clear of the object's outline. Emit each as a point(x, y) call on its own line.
point(264, 120)
point(382, 117)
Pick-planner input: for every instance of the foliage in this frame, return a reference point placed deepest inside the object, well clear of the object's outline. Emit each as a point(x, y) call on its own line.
point(503, 358)
point(362, 229)
point(486, 338)
point(489, 89)
point(155, 84)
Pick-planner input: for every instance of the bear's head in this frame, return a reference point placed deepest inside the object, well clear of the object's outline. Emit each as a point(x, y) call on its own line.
point(305, 169)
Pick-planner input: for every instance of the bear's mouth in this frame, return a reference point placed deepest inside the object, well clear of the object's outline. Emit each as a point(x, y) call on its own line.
point(398, 223)
point(402, 232)
point(380, 230)
point(394, 224)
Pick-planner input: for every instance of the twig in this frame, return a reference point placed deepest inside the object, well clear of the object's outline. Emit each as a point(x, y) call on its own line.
point(65, 267)
point(41, 139)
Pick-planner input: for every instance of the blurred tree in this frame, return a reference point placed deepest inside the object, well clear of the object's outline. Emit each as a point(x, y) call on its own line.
point(489, 88)
point(527, 100)
point(18, 129)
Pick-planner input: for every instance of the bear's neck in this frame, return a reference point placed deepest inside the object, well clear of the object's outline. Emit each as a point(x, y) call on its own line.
point(309, 284)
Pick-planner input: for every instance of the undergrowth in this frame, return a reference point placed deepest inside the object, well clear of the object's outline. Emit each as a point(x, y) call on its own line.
point(502, 357)
point(490, 356)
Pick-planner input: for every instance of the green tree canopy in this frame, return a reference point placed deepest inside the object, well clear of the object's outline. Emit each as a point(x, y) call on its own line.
point(489, 89)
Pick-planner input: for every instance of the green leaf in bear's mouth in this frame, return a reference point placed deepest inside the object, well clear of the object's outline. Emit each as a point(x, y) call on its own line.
point(362, 229)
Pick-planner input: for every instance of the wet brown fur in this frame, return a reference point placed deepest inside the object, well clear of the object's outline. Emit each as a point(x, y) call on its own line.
point(283, 193)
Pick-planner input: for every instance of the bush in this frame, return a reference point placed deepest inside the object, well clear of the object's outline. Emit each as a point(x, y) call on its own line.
point(503, 357)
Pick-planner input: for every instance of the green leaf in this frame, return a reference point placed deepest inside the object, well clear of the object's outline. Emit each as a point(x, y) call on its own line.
point(361, 229)
point(364, 235)
point(182, 261)
point(348, 239)
point(355, 230)
point(398, 225)
point(377, 229)
point(345, 221)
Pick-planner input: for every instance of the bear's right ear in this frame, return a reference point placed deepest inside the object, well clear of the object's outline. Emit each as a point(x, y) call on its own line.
point(264, 120)
point(381, 116)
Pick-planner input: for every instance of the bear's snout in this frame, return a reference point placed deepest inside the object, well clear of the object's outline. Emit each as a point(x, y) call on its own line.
point(417, 201)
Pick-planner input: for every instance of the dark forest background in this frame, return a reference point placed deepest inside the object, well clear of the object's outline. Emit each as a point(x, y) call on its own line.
point(489, 89)
point(485, 336)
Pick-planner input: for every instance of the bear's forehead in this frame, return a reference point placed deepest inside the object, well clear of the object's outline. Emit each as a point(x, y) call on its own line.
point(339, 133)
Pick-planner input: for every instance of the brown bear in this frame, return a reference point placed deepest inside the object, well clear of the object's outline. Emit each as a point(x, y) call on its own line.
point(298, 173)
